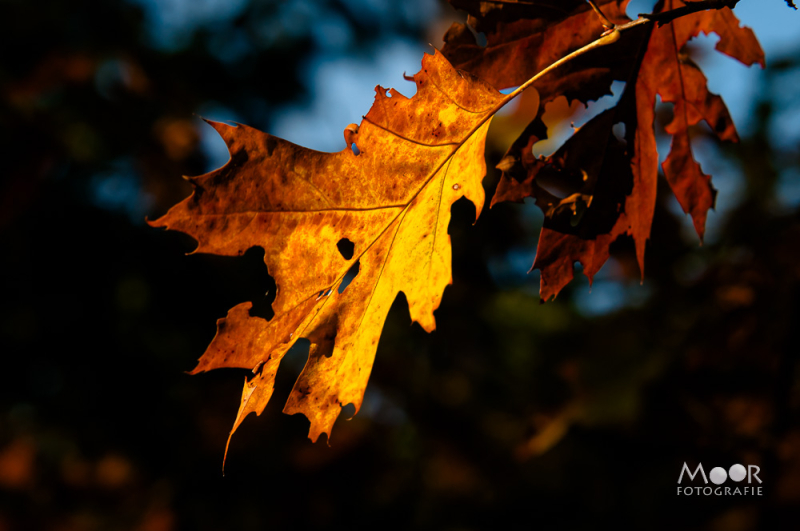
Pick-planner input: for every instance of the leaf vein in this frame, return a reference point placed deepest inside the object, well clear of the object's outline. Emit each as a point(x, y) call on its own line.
point(398, 135)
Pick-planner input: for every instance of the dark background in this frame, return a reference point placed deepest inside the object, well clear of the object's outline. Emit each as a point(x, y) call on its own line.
point(572, 414)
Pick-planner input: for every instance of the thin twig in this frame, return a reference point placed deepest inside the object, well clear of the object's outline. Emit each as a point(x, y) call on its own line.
point(613, 34)
point(689, 8)
point(606, 23)
point(607, 38)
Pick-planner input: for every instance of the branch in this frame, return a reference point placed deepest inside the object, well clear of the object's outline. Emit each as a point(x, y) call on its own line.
point(611, 35)
point(606, 23)
point(689, 8)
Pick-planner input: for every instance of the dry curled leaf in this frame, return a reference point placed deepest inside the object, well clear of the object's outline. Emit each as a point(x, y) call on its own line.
point(523, 38)
point(618, 190)
point(417, 156)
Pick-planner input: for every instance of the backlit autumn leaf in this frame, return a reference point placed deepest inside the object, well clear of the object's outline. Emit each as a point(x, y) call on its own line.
point(344, 233)
point(602, 187)
point(392, 201)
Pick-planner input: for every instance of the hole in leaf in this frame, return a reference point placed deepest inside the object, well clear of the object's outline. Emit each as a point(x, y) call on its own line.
point(262, 307)
point(291, 365)
point(349, 276)
point(324, 293)
point(247, 279)
point(346, 247)
point(480, 37)
point(664, 115)
point(348, 411)
point(619, 131)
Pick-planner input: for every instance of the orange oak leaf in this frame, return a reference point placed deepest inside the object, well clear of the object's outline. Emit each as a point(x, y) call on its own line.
point(416, 157)
point(657, 66)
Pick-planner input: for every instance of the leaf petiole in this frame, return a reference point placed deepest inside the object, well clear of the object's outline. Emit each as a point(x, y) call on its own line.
point(606, 23)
